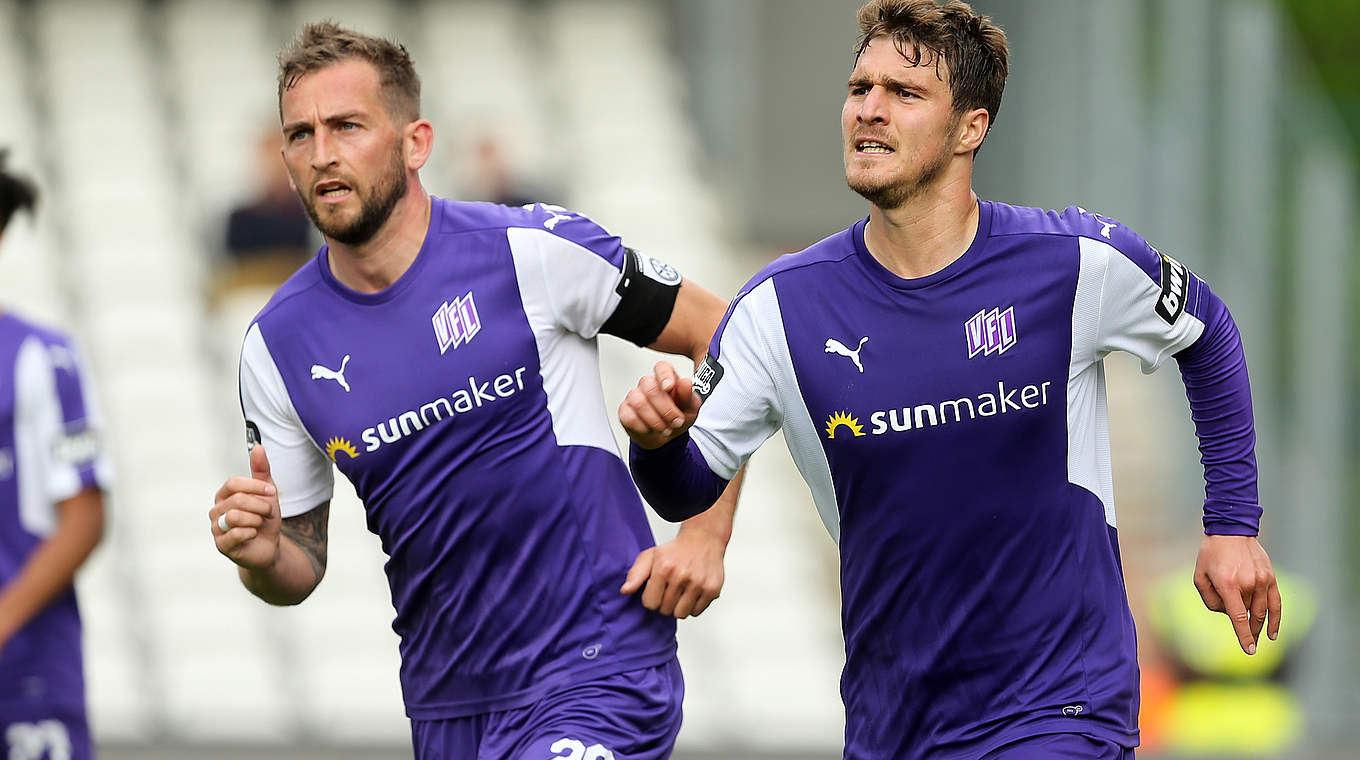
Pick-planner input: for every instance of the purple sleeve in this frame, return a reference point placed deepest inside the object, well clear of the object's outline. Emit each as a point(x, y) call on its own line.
point(675, 479)
point(1215, 373)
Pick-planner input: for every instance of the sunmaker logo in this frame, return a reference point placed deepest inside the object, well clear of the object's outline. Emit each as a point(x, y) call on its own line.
point(476, 395)
point(1006, 400)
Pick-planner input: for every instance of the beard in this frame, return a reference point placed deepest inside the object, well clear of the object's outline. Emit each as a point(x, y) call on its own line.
point(374, 208)
point(892, 193)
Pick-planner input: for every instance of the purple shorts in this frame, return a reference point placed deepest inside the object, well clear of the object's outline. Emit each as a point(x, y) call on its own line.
point(30, 734)
point(1061, 747)
point(633, 715)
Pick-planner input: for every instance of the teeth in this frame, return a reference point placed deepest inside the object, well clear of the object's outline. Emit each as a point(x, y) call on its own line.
point(873, 147)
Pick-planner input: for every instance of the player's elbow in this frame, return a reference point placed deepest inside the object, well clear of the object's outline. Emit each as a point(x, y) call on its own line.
point(678, 511)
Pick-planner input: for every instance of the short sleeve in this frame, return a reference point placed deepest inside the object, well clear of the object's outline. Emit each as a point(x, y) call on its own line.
point(59, 423)
point(300, 469)
point(741, 407)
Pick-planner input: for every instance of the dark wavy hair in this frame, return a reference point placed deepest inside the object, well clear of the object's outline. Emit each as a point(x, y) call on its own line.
point(972, 47)
point(16, 193)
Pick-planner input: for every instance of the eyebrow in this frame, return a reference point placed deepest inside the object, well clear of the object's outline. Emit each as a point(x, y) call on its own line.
point(899, 84)
point(332, 119)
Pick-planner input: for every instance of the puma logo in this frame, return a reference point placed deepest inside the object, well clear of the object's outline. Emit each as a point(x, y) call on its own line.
point(834, 346)
point(338, 375)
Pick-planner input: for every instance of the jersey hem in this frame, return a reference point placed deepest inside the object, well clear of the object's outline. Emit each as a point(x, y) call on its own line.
point(524, 697)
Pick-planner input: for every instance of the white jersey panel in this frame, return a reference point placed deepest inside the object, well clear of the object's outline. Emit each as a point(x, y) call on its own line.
point(580, 284)
point(49, 451)
point(1128, 319)
point(567, 293)
point(301, 470)
point(37, 425)
point(759, 392)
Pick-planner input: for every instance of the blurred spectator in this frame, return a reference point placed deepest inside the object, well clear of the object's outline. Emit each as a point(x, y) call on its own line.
point(494, 180)
point(270, 236)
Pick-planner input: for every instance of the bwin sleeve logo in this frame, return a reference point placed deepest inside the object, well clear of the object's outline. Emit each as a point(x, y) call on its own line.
point(707, 376)
point(1171, 301)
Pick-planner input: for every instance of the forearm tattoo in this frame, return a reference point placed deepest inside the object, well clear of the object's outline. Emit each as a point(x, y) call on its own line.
point(308, 531)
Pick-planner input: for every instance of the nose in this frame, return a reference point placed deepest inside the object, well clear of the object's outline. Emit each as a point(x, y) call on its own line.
point(323, 149)
point(874, 108)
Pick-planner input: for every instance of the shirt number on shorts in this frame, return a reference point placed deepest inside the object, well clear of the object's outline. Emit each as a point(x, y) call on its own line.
point(34, 741)
point(572, 749)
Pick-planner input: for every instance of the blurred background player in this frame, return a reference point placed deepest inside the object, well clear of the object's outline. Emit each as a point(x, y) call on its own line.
point(443, 356)
point(52, 474)
point(938, 372)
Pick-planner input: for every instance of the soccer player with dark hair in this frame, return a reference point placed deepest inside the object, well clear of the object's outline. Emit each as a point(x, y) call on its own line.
point(52, 477)
point(443, 356)
point(937, 371)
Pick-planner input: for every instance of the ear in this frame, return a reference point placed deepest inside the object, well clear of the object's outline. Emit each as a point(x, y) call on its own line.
point(972, 129)
point(417, 142)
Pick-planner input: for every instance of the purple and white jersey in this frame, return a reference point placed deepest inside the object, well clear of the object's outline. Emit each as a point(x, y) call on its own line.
point(49, 452)
point(464, 404)
point(953, 432)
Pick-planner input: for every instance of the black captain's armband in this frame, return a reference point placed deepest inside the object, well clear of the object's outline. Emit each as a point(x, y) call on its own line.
point(647, 294)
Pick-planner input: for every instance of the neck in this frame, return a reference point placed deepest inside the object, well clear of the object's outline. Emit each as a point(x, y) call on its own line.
point(928, 232)
point(373, 266)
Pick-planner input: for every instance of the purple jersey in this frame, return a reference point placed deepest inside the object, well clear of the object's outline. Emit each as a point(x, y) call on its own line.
point(953, 432)
point(464, 404)
point(49, 452)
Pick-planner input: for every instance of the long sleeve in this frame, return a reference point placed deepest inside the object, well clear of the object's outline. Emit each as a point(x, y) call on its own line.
point(1214, 370)
point(675, 478)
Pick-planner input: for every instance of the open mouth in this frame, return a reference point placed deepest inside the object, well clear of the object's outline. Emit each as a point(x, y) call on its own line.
point(332, 190)
point(872, 148)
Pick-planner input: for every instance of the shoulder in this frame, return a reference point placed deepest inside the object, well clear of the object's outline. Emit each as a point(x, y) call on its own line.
point(291, 296)
point(1105, 233)
point(545, 224)
point(828, 251)
point(56, 345)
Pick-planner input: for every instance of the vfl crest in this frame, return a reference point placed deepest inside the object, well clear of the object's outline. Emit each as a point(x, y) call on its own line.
point(990, 332)
point(455, 322)
point(834, 346)
point(338, 375)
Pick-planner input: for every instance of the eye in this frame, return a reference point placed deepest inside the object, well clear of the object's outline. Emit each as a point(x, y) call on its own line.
point(905, 93)
point(348, 126)
point(858, 89)
point(298, 135)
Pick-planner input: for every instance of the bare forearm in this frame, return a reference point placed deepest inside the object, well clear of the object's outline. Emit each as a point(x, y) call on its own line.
point(291, 578)
point(51, 569)
point(717, 520)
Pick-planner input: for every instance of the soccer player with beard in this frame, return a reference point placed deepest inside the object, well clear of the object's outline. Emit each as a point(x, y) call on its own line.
point(52, 477)
point(937, 371)
point(442, 355)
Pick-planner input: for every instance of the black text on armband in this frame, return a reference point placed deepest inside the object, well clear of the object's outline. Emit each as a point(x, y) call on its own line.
point(706, 377)
point(1171, 301)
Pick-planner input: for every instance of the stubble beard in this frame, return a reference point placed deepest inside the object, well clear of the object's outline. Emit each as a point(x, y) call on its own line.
point(374, 208)
point(895, 192)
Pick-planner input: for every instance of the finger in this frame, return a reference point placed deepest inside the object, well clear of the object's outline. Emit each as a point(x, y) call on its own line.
point(642, 567)
point(1275, 605)
point(242, 518)
point(1207, 592)
point(675, 591)
point(1257, 605)
point(684, 606)
point(641, 406)
point(239, 484)
point(665, 375)
point(702, 604)
point(245, 502)
point(654, 591)
point(685, 398)
point(661, 402)
point(259, 464)
point(232, 542)
point(1237, 613)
